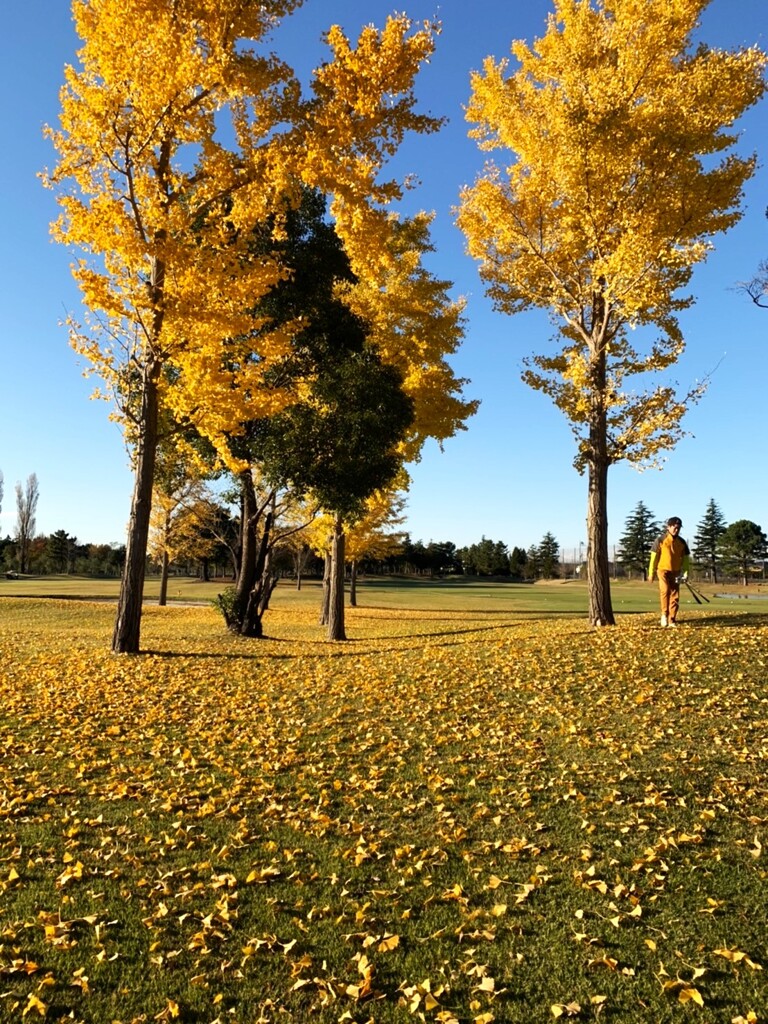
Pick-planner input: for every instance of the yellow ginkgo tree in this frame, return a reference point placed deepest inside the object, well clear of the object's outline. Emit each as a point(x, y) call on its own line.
point(618, 172)
point(179, 133)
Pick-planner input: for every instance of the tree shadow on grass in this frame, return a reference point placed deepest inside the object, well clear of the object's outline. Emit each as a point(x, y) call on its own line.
point(340, 649)
point(322, 647)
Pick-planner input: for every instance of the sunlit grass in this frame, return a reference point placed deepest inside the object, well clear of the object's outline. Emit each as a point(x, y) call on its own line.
point(493, 814)
point(452, 594)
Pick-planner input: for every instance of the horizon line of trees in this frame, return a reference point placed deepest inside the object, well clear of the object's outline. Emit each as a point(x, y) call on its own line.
point(207, 537)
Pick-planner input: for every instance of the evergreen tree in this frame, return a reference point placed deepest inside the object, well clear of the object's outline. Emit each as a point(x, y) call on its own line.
point(741, 545)
point(487, 558)
point(59, 549)
point(517, 563)
point(532, 567)
point(549, 557)
point(641, 529)
point(708, 534)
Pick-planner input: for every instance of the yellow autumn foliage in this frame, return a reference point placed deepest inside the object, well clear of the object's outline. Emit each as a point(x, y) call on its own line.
point(179, 133)
point(616, 171)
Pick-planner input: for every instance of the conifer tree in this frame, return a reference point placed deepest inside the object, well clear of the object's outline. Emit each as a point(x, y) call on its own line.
point(706, 542)
point(641, 530)
point(549, 557)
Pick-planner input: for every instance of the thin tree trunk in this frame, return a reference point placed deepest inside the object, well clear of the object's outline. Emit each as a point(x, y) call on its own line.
point(336, 596)
point(598, 568)
point(353, 584)
point(268, 584)
point(126, 636)
point(246, 574)
point(163, 600)
point(325, 600)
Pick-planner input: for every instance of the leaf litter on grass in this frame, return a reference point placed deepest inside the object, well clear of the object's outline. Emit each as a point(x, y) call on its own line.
point(449, 818)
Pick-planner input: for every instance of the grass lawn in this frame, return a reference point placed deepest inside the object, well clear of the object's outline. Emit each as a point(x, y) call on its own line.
point(478, 809)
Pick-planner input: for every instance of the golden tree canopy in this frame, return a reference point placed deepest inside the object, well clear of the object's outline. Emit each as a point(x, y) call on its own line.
point(618, 177)
point(179, 132)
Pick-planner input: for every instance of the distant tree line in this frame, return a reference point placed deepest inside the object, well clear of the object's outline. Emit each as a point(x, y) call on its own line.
point(206, 537)
point(60, 553)
point(488, 558)
point(736, 550)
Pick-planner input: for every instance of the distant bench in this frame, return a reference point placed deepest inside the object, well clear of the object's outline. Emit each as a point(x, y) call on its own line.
point(11, 575)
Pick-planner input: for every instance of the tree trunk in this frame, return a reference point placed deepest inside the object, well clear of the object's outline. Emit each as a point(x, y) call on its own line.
point(254, 581)
point(598, 569)
point(125, 639)
point(163, 600)
point(325, 601)
point(268, 583)
point(353, 584)
point(246, 574)
point(336, 596)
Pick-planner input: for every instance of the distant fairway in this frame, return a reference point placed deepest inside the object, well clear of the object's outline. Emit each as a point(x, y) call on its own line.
point(556, 597)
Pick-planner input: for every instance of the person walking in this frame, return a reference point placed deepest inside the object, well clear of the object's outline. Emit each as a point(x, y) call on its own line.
point(670, 560)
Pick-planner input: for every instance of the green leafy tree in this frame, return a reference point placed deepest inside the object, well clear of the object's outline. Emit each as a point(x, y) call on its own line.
point(549, 557)
point(341, 447)
point(741, 547)
point(641, 529)
point(707, 539)
point(443, 558)
point(339, 439)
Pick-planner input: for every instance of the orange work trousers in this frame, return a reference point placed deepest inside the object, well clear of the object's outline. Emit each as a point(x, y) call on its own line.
point(669, 594)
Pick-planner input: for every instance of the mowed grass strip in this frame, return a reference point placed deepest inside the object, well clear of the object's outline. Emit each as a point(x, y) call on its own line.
point(456, 816)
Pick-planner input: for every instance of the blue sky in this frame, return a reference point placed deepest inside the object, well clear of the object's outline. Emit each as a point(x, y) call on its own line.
point(509, 476)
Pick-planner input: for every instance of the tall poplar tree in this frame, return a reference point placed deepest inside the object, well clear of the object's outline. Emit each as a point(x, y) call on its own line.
point(26, 518)
point(180, 132)
point(616, 178)
point(706, 542)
